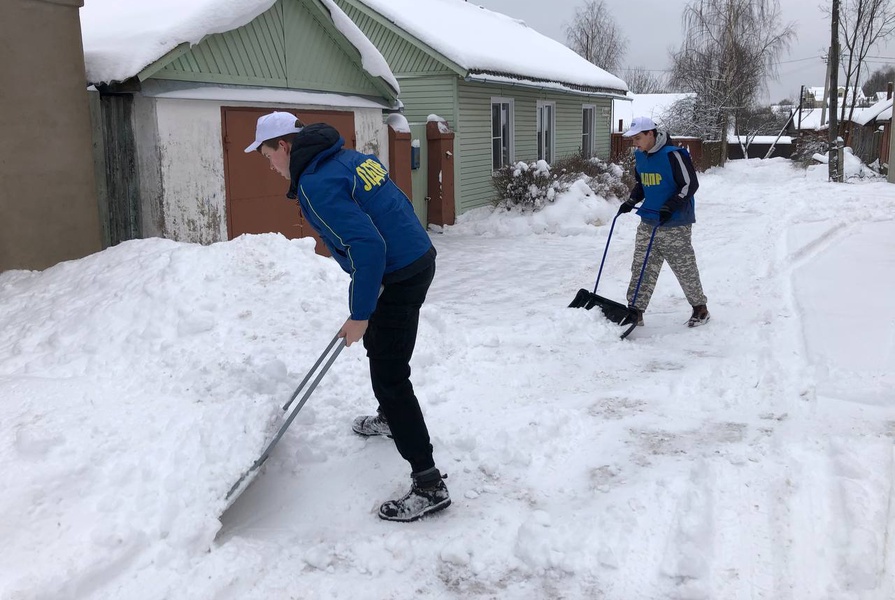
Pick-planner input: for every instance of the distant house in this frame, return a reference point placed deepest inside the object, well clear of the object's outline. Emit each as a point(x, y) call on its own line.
point(180, 85)
point(507, 92)
point(814, 97)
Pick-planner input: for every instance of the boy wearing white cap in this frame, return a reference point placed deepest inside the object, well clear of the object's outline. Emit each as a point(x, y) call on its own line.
point(666, 183)
point(370, 228)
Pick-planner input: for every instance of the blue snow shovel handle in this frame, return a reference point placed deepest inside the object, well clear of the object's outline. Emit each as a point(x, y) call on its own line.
point(645, 258)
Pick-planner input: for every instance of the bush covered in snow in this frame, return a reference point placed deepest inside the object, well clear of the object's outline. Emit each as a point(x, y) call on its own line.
point(806, 146)
point(852, 166)
point(531, 186)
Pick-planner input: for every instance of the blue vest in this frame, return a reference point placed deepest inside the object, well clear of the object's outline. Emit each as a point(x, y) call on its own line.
point(659, 185)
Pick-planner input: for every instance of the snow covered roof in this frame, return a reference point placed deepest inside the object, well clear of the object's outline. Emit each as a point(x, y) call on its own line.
point(644, 105)
point(760, 139)
point(122, 37)
point(486, 42)
point(811, 117)
point(881, 111)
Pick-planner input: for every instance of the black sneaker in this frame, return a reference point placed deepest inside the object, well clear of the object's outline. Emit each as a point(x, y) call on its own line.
point(421, 500)
point(699, 317)
point(371, 425)
point(632, 314)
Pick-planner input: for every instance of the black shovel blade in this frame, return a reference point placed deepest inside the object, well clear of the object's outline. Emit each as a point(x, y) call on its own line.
point(612, 310)
point(581, 299)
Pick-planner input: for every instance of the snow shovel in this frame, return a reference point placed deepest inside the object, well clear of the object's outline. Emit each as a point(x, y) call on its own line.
point(243, 482)
point(612, 310)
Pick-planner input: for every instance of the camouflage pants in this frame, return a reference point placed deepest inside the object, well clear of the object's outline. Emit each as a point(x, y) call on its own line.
point(672, 244)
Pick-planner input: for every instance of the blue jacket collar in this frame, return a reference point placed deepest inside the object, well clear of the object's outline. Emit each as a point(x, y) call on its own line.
point(310, 146)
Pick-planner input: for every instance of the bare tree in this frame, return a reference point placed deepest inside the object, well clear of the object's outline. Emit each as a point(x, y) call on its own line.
point(690, 117)
point(862, 24)
point(730, 49)
point(879, 81)
point(594, 35)
point(641, 81)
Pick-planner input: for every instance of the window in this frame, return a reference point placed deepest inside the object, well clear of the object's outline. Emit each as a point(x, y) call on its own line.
point(501, 132)
point(546, 118)
point(588, 112)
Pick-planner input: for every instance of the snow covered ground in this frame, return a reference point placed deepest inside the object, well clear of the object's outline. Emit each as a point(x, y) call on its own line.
point(750, 458)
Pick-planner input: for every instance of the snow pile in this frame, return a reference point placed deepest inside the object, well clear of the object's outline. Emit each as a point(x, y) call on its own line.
point(127, 377)
point(750, 457)
point(852, 166)
point(577, 211)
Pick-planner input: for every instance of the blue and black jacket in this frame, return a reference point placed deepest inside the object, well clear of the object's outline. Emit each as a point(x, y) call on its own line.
point(665, 176)
point(365, 220)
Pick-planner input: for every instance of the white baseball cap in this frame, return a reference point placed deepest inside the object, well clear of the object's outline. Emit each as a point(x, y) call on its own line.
point(273, 126)
point(639, 125)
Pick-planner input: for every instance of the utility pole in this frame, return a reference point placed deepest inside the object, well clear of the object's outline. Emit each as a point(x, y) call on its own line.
point(835, 172)
point(826, 96)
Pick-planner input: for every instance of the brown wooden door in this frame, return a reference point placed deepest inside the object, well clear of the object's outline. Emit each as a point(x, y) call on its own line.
point(256, 196)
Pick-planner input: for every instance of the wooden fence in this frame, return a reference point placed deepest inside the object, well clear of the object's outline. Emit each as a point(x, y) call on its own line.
point(620, 146)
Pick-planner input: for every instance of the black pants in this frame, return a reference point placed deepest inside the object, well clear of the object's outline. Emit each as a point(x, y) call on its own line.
point(389, 340)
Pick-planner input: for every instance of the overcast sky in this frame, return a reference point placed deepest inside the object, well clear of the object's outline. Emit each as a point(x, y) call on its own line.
point(654, 26)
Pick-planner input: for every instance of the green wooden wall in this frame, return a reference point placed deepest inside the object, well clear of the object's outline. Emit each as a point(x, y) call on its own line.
point(474, 148)
point(404, 57)
point(292, 45)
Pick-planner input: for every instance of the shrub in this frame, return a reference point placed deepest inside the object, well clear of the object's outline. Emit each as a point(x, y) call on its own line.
point(807, 145)
point(531, 186)
point(526, 186)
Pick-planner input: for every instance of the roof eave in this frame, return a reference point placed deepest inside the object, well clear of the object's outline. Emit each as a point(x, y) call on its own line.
point(482, 76)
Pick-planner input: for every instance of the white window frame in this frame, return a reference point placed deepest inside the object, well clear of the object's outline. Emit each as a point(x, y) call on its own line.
point(545, 144)
point(511, 130)
point(589, 151)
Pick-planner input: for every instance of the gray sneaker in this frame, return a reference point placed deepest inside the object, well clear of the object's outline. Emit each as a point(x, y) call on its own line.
point(371, 425)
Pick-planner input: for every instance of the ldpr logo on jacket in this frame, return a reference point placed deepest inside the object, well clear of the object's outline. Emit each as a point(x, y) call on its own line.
point(372, 173)
point(651, 179)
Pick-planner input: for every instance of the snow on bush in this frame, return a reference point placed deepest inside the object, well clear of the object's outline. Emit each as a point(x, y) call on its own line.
point(852, 166)
point(532, 186)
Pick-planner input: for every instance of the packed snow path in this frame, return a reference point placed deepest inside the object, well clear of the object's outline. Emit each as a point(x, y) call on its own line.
point(750, 458)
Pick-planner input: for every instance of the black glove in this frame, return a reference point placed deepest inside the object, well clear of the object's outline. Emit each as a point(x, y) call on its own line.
point(627, 207)
point(669, 208)
point(665, 214)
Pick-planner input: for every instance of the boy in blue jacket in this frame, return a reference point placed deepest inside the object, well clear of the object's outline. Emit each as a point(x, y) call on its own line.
point(666, 182)
point(370, 228)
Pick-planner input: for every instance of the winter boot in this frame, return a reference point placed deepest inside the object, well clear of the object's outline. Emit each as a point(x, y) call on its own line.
point(428, 494)
point(371, 425)
point(635, 313)
point(699, 317)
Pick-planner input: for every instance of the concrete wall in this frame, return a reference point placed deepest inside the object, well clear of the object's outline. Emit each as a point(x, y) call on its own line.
point(48, 206)
point(181, 164)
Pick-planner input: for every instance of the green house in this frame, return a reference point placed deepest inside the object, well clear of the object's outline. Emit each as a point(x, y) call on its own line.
point(509, 93)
